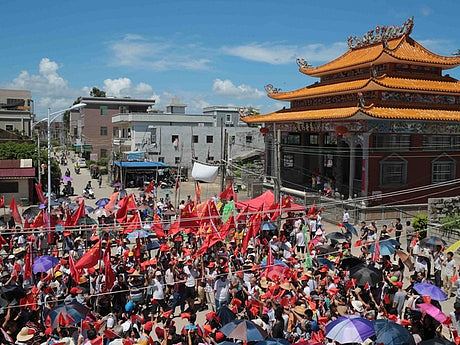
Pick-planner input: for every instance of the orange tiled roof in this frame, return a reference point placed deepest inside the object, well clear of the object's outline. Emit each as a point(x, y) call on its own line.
point(342, 113)
point(370, 85)
point(403, 49)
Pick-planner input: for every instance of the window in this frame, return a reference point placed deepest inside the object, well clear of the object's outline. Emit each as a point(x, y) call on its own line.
point(103, 153)
point(248, 139)
point(228, 118)
point(75, 131)
point(442, 169)
point(291, 139)
point(313, 139)
point(9, 127)
point(177, 160)
point(161, 159)
point(393, 171)
point(103, 130)
point(174, 138)
point(210, 159)
point(392, 141)
point(153, 135)
point(9, 187)
point(232, 140)
point(441, 142)
point(195, 139)
point(115, 132)
point(288, 161)
point(330, 139)
point(209, 139)
point(104, 110)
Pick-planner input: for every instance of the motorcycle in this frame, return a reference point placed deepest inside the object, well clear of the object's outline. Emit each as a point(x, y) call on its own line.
point(68, 190)
point(77, 171)
point(88, 193)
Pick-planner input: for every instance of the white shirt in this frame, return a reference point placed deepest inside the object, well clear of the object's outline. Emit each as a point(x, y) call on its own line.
point(158, 292)
point(449, 268)
point(221, 288)
point(191, 275)
point(169, 277)
point(346, 217)
point(300, 239)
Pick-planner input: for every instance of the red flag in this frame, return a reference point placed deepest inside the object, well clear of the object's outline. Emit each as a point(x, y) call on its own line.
point(253, 230)
point(40, 195)
point(39, 220)
point(197, 192)
point(227, 227)
point(228, 193)
point(243, 214)
point(134, 223)
point(74, 273)
point(274, 211)
point(90, 258)
point(79, 213)
point(109, 274)
point(15, 212)
point(376, 255)
point(97, 341)
point(158, 226)
point(312, 211)
point(113, 199)
point(150, 187)
point(28, 263)
point(126, 204)
point(270, 259)
point(286, 202)
point(2, 201)
point(174, 228)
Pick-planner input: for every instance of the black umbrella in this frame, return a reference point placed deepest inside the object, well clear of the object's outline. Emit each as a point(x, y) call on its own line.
point(350, 262)
point(337, 236)
point(86, 221)
point(364, 274)
point(13, 292)
point(225, 315)
point(325, 249)
point(63, 199)
point(432, 242)
point(437, 341)
point(30, 212)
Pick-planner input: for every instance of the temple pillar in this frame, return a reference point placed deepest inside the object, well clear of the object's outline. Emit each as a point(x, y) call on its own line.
point(351, 176)
point(365, 168)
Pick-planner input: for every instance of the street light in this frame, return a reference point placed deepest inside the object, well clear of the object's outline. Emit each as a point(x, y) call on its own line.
point(56, 114)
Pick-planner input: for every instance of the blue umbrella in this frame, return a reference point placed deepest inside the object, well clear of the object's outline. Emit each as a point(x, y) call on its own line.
point(390, 333)
point(276, 263)
point(385, 248)
point(138, 234)
point(350, 329)
point(325, 262)
point(268, 226)
point(44, 263)
point(351, 228)
point(431, 290)
point(71, 313)
point(273, 341)
point(153, 245)
point(102, 202)
point(243, 330)
point(225, 315)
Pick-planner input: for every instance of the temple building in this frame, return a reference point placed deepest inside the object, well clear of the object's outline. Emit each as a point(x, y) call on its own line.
point(382, 120)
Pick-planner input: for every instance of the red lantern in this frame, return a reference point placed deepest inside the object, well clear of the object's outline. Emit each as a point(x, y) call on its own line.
point(264, 130)
point(341, 130)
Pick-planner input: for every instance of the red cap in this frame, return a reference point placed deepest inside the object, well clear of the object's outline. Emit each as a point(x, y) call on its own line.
point(185, 315)
point(167, 314)
point(75, 291)
point(91, 270)
point(160, 332)
point(148, 326)
point(220, 336)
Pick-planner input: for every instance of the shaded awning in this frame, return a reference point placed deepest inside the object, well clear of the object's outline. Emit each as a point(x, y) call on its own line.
point(83, 148)
point(17, 173)
point(141, 165)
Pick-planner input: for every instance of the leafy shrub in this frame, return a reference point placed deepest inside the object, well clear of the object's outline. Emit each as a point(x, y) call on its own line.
point(420, 224)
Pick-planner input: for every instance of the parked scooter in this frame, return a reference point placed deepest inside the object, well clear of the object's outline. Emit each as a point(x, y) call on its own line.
point(68, 190)
point(88, 193)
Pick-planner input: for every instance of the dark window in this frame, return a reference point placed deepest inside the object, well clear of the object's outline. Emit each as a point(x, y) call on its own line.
point(442, 169)
point(103, 130)
point(209, 139)
point(104, 110)
point(210, 158)
point(248, 139)
point(330, 139)
point(393, 171)
point(176, 160)
point(103, 153)
point(313, 139)
point(195, 139)
point(174, 138)
point(291, 139)
point(161, 159)
point(288, 161)
point(9, 127)
point(75, 131)
point(9, 187)
point(392, 141)
point(441, 142)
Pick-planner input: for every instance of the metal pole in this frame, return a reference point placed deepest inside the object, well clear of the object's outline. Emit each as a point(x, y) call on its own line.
point(39, 165)
point(49, 172)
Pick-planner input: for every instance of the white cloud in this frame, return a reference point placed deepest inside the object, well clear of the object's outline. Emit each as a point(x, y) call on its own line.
point(279, 54)
point(159, 55)
point(425, 11)
point(124, 87)
point(228, 89)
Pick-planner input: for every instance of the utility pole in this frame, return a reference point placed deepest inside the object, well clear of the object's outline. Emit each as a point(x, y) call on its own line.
point(224, 161)
point(277, 163)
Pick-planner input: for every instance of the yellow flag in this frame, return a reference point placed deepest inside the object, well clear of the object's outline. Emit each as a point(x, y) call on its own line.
point(453, 247)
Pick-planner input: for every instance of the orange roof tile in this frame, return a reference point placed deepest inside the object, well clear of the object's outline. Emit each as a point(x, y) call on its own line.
point(403, 48)
point(342, 113)
point(371, 84)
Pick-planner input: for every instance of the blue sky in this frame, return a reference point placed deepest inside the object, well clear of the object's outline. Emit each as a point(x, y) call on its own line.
point(204, 52)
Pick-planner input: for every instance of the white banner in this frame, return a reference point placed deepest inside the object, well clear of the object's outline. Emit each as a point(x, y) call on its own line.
point(204, 173)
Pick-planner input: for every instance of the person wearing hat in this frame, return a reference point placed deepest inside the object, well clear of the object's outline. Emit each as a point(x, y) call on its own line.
point(399, 298)
point(190, 284)
point(221, 290)
point(26, 336)
point(210, 275)
point(158, 298)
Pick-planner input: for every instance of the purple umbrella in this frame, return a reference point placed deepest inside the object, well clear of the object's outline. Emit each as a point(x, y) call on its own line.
point(350, 329)
point(44, 263)
point(431, 290)
point(66, 179)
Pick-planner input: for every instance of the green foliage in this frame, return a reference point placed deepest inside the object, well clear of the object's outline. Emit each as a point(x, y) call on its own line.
point(103, 162)
point(420, 224)
point(451, 222)
point(90, 162)
point(95, 92)
point(104, 171)
point(18, 150)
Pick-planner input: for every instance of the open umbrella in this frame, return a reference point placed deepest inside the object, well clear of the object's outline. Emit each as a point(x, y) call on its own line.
point(350, 262)
point(66, 179)
point(437, 341)
point(86, 221)
point(325, 249)
point(350, 228)
point(385, 248)
point(102, 202)
point(243, 330)
point(325, 262)
point(30, 212)
point(426, 289)
point(100, 212)
point(432, 241)
point(68, 313)
point(225, 315)
point(350, 329)
point(434, 312)
point(337, 236)
point(364, 274)
point(406, 259)
point(273, 341)
point(44, 263)
point(390, 333)
point(268, 226)
point(12, 292)
point(138, 234)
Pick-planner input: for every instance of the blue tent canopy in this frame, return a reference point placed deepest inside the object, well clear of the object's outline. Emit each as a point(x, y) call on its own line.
point(141, 165)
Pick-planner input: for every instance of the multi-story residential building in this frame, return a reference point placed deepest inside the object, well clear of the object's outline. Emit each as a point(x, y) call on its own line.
point(16, 111)
point(91, 126)
point(57, 131)
point(176, 138)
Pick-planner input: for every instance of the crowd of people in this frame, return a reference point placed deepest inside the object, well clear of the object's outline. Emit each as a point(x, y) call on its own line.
point(221, 271)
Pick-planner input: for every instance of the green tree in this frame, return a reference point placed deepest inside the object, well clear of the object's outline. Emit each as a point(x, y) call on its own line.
point(95, 92)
